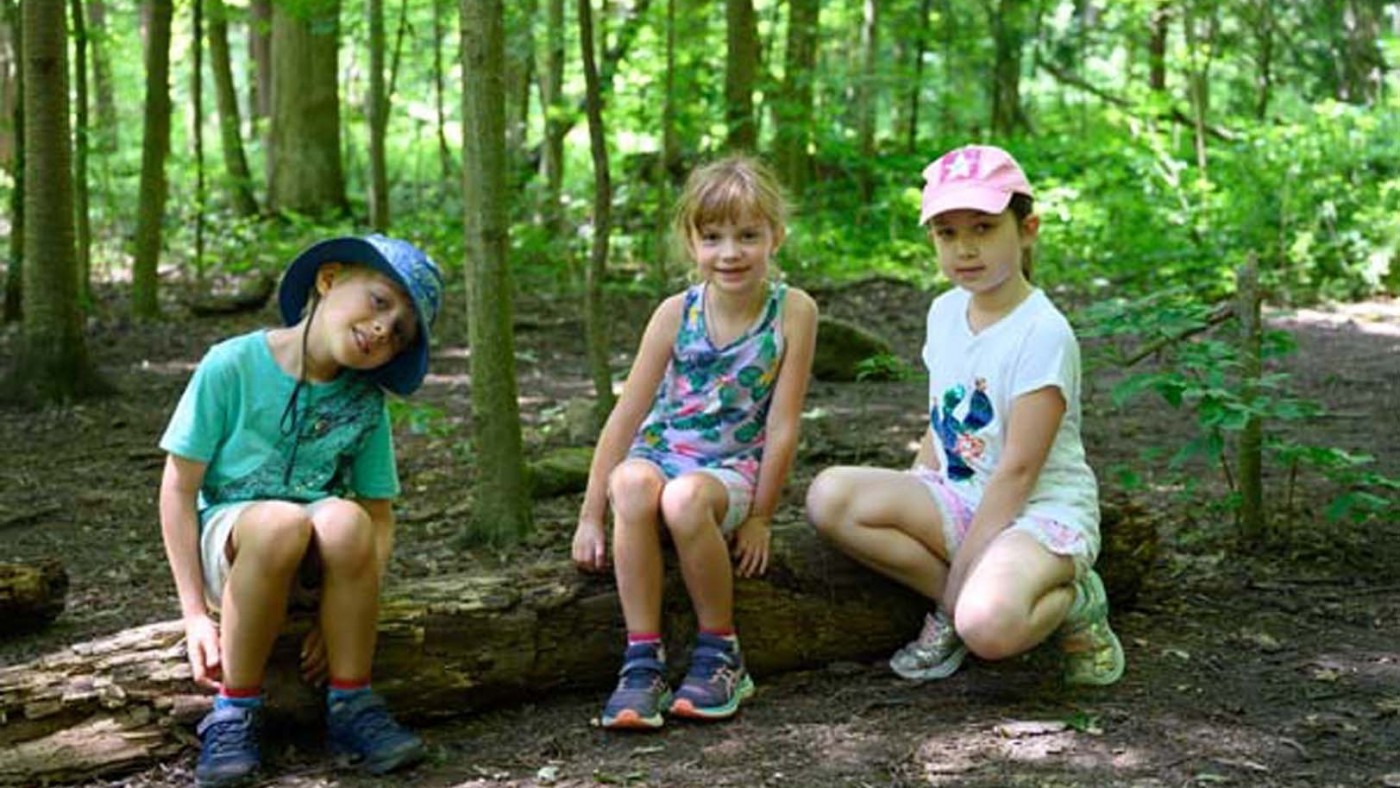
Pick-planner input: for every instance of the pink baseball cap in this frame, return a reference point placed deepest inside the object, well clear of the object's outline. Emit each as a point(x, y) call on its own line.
point(979, 177)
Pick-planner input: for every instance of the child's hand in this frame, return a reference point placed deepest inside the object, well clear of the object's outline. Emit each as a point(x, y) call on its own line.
point(202, 648)
point(314, 664)
point(751, 541)
point(590, 550)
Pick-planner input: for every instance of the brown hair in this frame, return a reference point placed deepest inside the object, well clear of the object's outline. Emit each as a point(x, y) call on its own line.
point(1022, 206)
point(730, 189)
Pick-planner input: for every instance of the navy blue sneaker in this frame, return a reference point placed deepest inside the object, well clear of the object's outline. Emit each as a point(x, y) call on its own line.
point(362, 732)
point(229, 751)
point(641, 693)
point(717, 681)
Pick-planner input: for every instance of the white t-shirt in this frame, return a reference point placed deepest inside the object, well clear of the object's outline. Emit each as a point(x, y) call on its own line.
point(974, 378)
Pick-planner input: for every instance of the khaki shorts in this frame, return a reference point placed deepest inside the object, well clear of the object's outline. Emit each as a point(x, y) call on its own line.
point(957, 513)
point(213, 557)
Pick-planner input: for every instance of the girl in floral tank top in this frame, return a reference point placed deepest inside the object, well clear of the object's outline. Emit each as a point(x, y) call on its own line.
point(700, 444)
point(711, 407)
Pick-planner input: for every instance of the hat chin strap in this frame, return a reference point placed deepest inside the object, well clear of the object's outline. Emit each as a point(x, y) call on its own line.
point(290, 423)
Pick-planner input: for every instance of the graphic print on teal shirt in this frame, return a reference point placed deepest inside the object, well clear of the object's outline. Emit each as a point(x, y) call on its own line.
point(712, 406)
point(959, 436)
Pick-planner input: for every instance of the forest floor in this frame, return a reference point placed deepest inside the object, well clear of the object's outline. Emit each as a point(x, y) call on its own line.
point(1280, 669)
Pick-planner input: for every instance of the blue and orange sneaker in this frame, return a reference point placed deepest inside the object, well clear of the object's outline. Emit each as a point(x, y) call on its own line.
point(362, 732)
point(716, 683)
point(641, 692)
point(229, 752)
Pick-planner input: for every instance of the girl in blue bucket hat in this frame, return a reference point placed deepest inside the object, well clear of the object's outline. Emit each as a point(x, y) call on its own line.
point(277, 488)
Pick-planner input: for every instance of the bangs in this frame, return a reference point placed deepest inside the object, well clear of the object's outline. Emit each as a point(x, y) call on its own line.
point(734, 199)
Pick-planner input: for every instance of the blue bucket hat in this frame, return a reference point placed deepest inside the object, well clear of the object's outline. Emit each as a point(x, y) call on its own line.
point(403, 263)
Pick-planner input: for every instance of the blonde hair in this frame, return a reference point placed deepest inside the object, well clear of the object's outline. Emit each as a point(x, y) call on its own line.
point(730, 190)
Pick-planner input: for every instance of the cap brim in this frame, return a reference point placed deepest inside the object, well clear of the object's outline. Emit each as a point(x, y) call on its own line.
point(969, 197)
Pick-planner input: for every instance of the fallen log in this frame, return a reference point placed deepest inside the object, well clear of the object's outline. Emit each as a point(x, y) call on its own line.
point(460, 643)
point(31, 595)
point(447, 645)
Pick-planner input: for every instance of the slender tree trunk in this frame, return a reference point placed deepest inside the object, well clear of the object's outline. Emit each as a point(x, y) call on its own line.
point(866, 92)
point(1253, 518)
point(555, 126)
point(594, 320)
point(793, 126)
point(501, 511)
point(519, 76)
point(201, 191)
point(668, 161)
point(9, 87)
point(1363, 68)
point(52, 362)
point(260, 59)
point(14, 277)
point(305, 173)
point(82, 221)
point(1200, 46)
point(1157, 46)
point(239, 178)
point(155, 146)
point(439, 91)
point(103, 91)
point(740, 65)
point(1008, 33)
point(1264, 24)
point(378, 122)
point(911, 142)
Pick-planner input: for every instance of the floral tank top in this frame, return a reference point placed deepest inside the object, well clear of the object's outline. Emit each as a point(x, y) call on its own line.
point(711, 409)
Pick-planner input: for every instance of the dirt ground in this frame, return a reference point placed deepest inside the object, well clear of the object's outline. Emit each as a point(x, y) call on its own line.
point(1279, 670)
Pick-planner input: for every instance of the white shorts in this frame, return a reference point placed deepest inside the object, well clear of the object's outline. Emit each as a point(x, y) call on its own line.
point(213, 554)
point(735, 485)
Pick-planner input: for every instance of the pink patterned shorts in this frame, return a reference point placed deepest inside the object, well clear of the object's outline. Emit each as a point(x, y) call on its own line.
point(957, 512)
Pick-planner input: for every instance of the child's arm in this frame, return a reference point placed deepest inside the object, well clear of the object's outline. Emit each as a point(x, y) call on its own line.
point(751, 540)
point(648, 368)
point(179, 529)
point(1034, 420)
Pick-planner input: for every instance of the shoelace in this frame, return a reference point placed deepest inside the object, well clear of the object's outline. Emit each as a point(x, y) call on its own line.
point(227, 735)
point(373, 722)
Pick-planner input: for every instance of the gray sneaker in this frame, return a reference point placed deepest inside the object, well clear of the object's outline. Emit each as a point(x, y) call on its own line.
point(936, 653)
point(1093, 654)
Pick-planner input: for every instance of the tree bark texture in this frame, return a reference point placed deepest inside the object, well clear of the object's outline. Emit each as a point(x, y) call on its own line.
point(260, 58)
point(104, 93)
point(51, 364)
point(740, 65)
point(155, 146)
point(793, 125)
point(555, 126)
point(81, 129)
point(595, 323)
point(305, 173)
point(238, 178)
point(501, 512)
point(447, 645)
point(378, 111)
point(14, 272)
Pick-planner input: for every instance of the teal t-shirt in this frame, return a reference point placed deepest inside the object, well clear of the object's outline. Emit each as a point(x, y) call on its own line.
point(231, 418)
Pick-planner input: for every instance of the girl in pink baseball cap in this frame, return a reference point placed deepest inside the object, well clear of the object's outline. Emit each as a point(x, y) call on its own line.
point(997, 522)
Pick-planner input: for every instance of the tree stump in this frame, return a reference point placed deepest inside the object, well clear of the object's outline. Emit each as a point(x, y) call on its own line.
point(31, 595)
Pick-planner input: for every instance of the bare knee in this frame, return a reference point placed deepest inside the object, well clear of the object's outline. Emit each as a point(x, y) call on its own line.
point(828, 500)
point(276, 540)
point(990, 627)
point(344, 536)
point(687, 506)
point(635, 490)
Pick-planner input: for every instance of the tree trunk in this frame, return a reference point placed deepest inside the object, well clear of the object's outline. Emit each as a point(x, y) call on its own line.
point(82, 221)
point(305, 173)
point(447, 645)
point(1253, 518)
point(519, 75)
point(239, 178)
point(1264, 24)
point(155, 146)
point(501, 511)
point(1157, 46)
point(9, 86)
point(866, 95)
point(51, 364)
point(439, 91)
point(197, 116)
point(911, 141)
point(31, 595)
point(552, 99)
point(103, 91)
point(594, 321)
point(740, 64)
point(14, 277)
point(377, 110)
point(1008, 33)
point(793, 126)
point(260, 59)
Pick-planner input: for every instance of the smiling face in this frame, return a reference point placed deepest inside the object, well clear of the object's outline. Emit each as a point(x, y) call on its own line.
point(732, 254)
point(364, 319)
point(982, 252)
